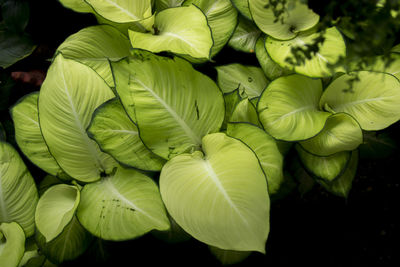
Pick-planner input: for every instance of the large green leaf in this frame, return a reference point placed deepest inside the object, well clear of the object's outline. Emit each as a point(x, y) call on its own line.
point(67, 100)
point(123, 206)
point(18, 193)
point(71, 243)
point(271, 69)
point(296, 17)
point(77, 5)
point(245, 36)
point(181, 30)
point(331, 50)
point(266, 150)
point(174, 105)
point(12, 244)
point(245, 111)
point(250, 80)
point(341, 133)
point(222, 19)
point(55, 209)
point(219, 197)
point(122, 11)
point(380, 64)
point(118, 135)
point(29, 136)
point(164, 4)
point(341, 186)
point(95, 46)
point(288, 108)
point(243, 7)
point(326, 168)
point(373, 100)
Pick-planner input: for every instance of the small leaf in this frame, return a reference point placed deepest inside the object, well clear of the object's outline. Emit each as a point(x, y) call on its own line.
point(342, 185)
point(243, 7)
point(123, 206)
point(250, 80)
point(232, 99)
point(12, 244)
point(373, 100)
point(117, 135)
point(245, 36)
point(296, 17)
point(245, 112)
point(219, 197)
point(341, 133)
point(288, 108)
point(14, 47)
point(327, 168)
point(55, 209)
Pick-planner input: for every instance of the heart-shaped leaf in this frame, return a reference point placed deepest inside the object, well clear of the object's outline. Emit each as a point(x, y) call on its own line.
point(12, 244)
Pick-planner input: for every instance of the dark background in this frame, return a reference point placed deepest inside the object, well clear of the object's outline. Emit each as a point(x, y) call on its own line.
point(316, 228)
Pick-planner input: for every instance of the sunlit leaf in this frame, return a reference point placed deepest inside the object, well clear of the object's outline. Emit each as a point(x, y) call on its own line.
point(219, 197)
point(66, 106)
point(373, 100)
point(288, 108)
point(243, 7)
point(245, 36)
point(245, 111)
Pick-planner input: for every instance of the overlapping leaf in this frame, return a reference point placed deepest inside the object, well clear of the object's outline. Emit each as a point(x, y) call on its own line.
point(174, 105)
point(245, 36)
point(13, 247)
point(67, 100)
point(219, 197)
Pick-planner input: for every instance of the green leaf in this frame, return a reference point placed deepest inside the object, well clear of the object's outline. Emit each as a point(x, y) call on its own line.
point(341, 133)
point(288, 108)
point(341, 186)
point(122, 11)
point(29, 136)
point(378, 145)
point(331, 50)
point(303, 178)
point(123, 206)
point(266, 150)
point(47, 182)
point(250, 80)
point(180, 30)
point(380, 65)
point(232, 99)
point(296, 17)
point(228, 257)
point(95, 46)
point(77, 5)
point(55, 209)
point(395, 49)
point(245, 112)
point(67, 100)
point(71, 243)
point(174, 105)
point(222, 19)
point(219, 197)
point(18, 193)
point(373, 100)
point(15, 15)
point(164, 4)
point(271, 69)
point(326, 168)
point(117, 135)
point(245, 36)
point(14, 47)
point(243, 7)
point(12, 244)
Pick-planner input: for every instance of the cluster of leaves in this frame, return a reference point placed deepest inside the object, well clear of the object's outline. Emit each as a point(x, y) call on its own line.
point(135, 139)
